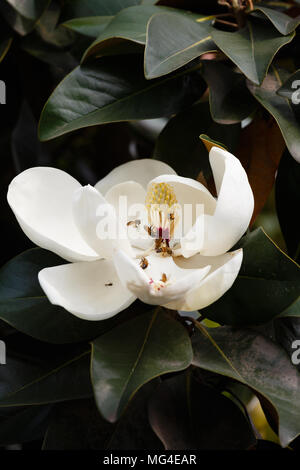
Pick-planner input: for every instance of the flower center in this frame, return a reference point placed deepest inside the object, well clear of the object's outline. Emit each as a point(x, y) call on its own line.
point(162, 207)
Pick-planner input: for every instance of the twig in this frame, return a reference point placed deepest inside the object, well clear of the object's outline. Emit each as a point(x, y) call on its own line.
point(227, 23)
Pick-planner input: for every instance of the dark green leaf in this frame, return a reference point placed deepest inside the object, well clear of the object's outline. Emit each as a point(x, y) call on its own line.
point(188, 415)
point(90, 26)
point(6, 38)
point(290, 88)
point(257, 362)
point(114, 90)
point(252, 48)
point(293, 310)
point(50, 31)
point(82, 8)
point(267, 272)
point(133, 354)
point(39, 384)
point(287, 331)
point(23, 424)
point(281, 21)
point(229, 97)
point(288, 197)
point(24, 305)
point(78, 425)
point(173, 40)
point(49, 53)
point(179, 144)
point(19, 371)
point(30, 362)
point(24, 143)
point(125, 30)
point(280, 108)
point(31, 9)
point(4, 47)
point(18, 22)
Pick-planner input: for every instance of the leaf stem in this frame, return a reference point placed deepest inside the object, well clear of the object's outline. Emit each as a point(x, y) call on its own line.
point(238, 8)
point(227, 23)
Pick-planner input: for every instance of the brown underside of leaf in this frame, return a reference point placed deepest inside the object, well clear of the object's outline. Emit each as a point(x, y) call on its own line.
point(293, 12)
point(260, 149)
point(209, 184)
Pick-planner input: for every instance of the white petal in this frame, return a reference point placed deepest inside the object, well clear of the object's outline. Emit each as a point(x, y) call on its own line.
point(235, 204)
point(141, 171)
point(128, 199)
point(91, 291)
point(224, 270)
point(189, 191)
point(139, 238)
point(144, 283)
point(41, 199)
point(89, 209)
point(132, 191)
point(192, 242)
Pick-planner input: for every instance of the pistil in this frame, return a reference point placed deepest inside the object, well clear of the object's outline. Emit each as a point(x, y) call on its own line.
point(162, 209)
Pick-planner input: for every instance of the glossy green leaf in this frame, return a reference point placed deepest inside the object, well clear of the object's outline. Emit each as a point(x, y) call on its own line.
point(40, 384)
point(252, 48)
point(82, 8)
point(17, 22)
point(114, 90)
point(256, 361)
point(284, 23)
point(267, 272)
point(124, 31)
point(280, 108)
point(24, 305)
point(32, 363)
point(133, 354)
point(174, 40)
point(186, 414)
point(179, 144)
point(229, 97)
point(19, 371)
point(31, 9)
point(90, 26)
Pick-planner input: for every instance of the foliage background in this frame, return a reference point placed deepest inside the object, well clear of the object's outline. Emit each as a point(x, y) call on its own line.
point(47, 398)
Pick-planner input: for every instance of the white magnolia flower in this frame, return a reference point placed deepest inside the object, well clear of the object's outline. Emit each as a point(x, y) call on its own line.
point(106, 275)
